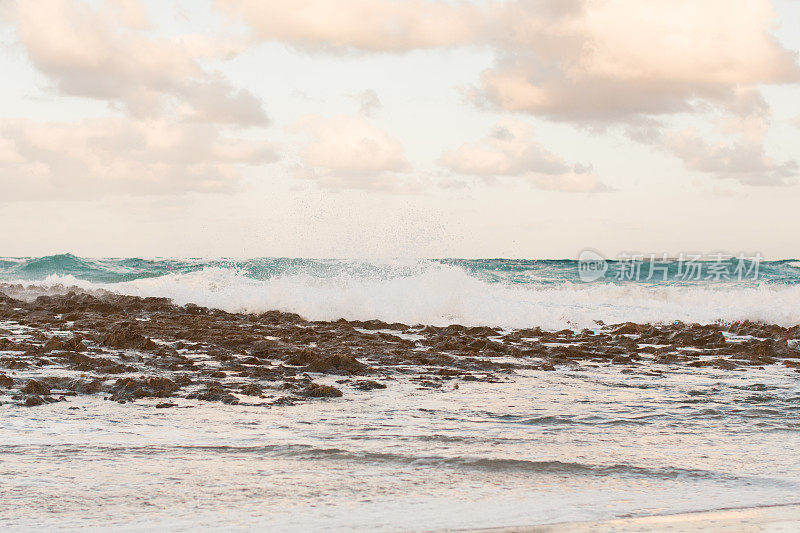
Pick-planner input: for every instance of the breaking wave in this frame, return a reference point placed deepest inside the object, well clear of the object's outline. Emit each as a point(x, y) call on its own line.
point(505, 293)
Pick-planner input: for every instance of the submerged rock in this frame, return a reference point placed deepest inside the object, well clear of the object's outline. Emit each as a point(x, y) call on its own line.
point(73, 344)
point(35, 387)
point(127, 336)
point(33, 400)
point(236, 354)
point(128, 389)
point(215, 393)
point(338, 364)
point(369, 384)
point(317, 390)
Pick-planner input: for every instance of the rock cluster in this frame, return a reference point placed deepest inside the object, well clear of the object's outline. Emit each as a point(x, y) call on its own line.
point(127, 349)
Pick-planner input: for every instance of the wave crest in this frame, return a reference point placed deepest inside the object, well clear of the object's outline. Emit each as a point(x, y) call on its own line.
point(442, 294)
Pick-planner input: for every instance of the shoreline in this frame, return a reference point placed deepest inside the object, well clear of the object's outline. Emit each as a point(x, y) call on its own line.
point(778, 517)
point(130, 347)
point(529, 418)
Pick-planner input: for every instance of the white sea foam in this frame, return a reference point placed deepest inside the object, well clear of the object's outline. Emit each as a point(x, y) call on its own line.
point(444, 294)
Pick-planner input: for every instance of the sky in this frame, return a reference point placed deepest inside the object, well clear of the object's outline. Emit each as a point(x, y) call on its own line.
point(399, 128)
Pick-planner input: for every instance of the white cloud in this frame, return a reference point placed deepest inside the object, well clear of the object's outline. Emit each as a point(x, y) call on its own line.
point(588, 62)
point(120, 156)
point(592, 63)
point(101, 53)
point(130, 13)
point(368, 102)
point(348, 152)
point(595, 61)
point(510, 149)
point(743, 160)
point(616, 60)
point(366, 25)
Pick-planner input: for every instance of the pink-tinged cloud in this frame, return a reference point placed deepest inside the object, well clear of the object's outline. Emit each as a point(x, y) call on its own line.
point(349, 152)
point(102, 53)
point(586, 61)
point(742, 160)
point(120, 156)
point(510, 149)
point(363, 25)
point(615, 60)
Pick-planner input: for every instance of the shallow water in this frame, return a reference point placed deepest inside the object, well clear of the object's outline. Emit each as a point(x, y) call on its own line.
point(584, 442)
point(544, 447)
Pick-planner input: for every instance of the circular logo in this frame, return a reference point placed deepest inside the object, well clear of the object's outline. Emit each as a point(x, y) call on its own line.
point(591, 266)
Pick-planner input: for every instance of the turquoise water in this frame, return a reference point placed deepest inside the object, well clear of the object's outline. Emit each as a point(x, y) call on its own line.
point(579, 443)
point(499, 292)
point(511, 271)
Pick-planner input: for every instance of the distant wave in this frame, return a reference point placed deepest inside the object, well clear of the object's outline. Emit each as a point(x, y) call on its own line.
point(307, 452)
point(503, 293)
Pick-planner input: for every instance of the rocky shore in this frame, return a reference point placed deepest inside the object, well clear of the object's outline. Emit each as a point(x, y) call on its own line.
point(57, 345)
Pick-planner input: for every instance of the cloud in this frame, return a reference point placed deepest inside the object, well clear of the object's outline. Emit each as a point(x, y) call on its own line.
point(592, 63)
point(368, 102)
point(364, 25)
point(510, 150)
point(120, 156)
point(347, 152)
point(584, 61)
point(743, 160)
point(102, 53)
point(618, 61)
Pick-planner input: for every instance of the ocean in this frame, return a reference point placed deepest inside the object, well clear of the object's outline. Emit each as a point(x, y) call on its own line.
point(510, 293)
point(465, 435)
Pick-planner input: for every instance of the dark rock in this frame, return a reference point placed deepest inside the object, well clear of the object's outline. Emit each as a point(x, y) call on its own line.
point(628, 328)
point(252, 390)
point(341, 364)
point(10, 346)
point(369, 384)
point(267, 349)
point(317, 390)
point(215, 393)
point(33, 400)
point(722, 364)
point(35, 387)
point(86, 386)
point(85, 363)
point(284, 400)
point(73, 344)
point(127, 336)
point(149, 387)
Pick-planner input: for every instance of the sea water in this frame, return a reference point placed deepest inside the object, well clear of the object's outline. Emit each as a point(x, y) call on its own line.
point(581, 443)
point(495, 292)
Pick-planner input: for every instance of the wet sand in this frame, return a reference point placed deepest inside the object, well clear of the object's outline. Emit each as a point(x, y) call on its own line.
point(57, 345)
point(776, 518)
